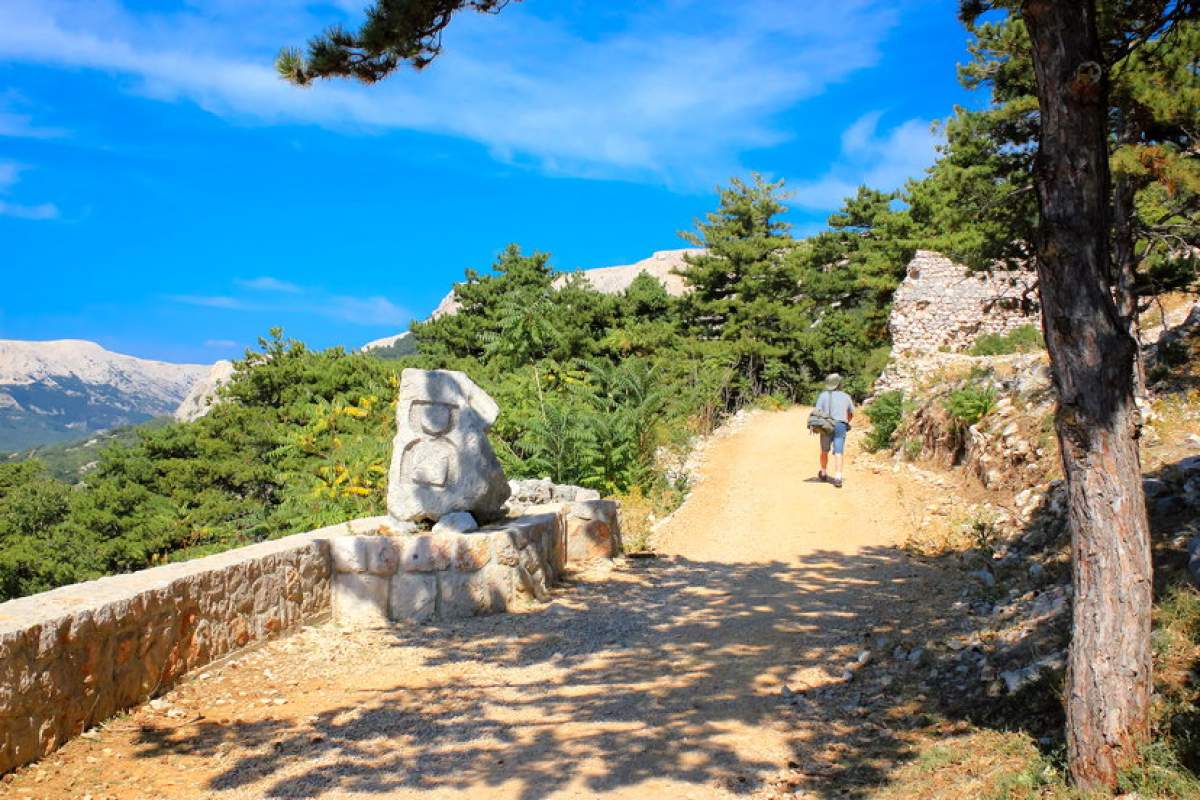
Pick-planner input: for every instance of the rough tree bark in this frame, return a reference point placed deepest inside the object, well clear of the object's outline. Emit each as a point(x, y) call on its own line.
point(1092, 355)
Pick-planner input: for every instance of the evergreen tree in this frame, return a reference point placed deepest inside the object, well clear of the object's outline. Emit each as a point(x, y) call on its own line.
point(646, 320)
point(1086, 254)
point(979, 203)
point(487, 303)
point(744, 290)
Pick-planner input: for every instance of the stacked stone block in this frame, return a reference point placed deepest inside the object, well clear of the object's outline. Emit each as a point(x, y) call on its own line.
point(381, 578)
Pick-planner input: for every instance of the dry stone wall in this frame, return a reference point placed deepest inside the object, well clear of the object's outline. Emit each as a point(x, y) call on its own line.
point(73, 657)
point(941, 305)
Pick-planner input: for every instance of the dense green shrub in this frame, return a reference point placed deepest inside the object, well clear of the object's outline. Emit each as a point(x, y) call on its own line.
point(1025, 339)
point(885, 413)
point(969, 404)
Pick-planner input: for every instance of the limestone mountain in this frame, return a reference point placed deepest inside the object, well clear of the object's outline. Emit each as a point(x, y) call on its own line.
point(53, 391)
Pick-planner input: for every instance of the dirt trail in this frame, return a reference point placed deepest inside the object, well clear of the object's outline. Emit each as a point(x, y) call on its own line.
point(646, 678)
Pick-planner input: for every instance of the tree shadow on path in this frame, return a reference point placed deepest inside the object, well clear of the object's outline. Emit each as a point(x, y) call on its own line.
point(672, 671)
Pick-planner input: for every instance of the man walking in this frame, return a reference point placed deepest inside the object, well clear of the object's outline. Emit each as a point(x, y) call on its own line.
point(838, 405)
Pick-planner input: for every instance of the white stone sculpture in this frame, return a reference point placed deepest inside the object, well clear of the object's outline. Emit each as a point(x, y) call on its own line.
point(442, 461)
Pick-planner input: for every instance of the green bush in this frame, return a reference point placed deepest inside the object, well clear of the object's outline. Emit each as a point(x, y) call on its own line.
point(1025, 339)
point(970, 404)
point(885, 413)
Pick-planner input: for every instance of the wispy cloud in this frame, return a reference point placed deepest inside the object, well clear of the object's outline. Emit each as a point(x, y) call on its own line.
point(675, 93)
point(36, 213)
point(370, 310)
point(269, 284)
point(880, 160)
point(10, 174)
point(211, 301)
point(221, 344)
point(19, 125)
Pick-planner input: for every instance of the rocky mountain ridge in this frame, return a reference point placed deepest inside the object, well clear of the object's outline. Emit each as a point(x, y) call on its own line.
point(52, 391)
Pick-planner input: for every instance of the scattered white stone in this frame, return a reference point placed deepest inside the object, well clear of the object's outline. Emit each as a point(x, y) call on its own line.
point(456, 522)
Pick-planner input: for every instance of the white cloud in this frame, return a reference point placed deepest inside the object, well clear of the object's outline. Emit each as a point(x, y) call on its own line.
point(10, 174)
point(211, 301)
point(221, 344)
point(674, 94)
point(880, 160)
point(366, 311)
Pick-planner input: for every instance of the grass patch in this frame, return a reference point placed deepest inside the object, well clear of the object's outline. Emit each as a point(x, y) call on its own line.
point(986, 764)
point(970, 404)
point(639, 512)
point(1025, 339)
point(1160, 775)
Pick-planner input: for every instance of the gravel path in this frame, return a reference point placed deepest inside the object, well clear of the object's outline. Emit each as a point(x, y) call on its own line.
point(719, 670)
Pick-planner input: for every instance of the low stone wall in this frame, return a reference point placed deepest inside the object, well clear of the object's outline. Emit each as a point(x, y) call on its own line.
point(73, 657)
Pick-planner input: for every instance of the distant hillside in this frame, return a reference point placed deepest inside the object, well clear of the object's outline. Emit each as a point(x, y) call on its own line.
point(57, 391)
point(204, 392)
point(70, 461)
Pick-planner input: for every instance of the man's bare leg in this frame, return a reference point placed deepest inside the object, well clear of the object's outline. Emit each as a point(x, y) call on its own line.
point(824, 463)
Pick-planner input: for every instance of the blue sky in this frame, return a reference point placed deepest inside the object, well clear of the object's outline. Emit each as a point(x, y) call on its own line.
point(163, 193)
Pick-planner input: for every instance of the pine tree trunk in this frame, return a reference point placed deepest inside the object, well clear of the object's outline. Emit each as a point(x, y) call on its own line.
point(1092, 356)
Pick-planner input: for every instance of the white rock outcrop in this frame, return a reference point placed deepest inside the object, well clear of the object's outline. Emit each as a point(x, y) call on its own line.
point(442, 461)
point(203, 395)
point(613, 280)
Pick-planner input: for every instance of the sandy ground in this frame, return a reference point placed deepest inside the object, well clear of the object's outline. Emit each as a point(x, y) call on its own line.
point(718, 670)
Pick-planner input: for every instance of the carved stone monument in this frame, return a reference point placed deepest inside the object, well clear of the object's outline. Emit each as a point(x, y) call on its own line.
point(444, 471)
point(442, 461)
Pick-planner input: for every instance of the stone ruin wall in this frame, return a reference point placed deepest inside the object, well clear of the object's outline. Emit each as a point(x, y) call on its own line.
point(941, 306)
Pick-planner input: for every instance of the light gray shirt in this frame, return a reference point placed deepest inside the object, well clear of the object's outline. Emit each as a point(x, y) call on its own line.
point(836, 404)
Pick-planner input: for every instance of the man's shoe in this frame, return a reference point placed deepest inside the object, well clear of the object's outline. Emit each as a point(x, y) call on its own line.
point(837, 483)
point(821, 476)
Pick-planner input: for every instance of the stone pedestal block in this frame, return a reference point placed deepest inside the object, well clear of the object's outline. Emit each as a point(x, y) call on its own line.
point(413, 597)
point(360, 599)
point(448, 575)
point(376, 555)
point(593, 530)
